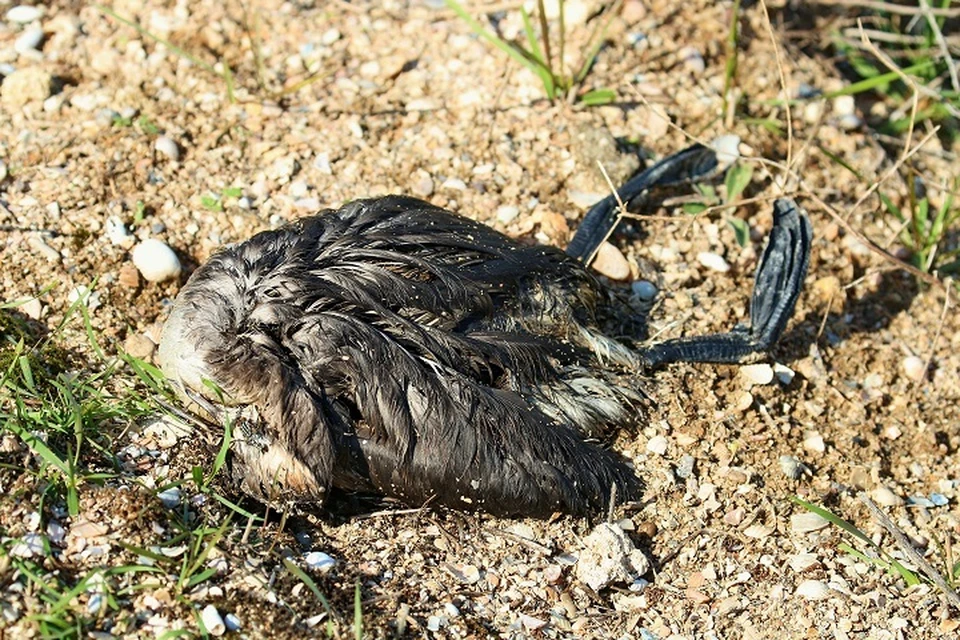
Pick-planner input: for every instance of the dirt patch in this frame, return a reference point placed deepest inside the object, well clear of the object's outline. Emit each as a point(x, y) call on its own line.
point(335, 101)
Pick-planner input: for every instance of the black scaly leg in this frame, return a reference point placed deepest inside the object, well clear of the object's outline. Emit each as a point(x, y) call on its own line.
point(776, 288)
point(693, 163)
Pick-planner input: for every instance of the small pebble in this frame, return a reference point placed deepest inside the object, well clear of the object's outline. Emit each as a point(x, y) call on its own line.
point(117, 232)
point(850, 122)
point(433, 623)
point(454, 184)
point(793, 468)
point(813, 590)
point(692, 60)
point(744, 401)
point(244, 203)
point(507, 214)
point(813, 111)
point(31, 544)
point(757, 373)
point(800, 562)
point(727, 148)
point(807, 522)
point(232, 621)
point(170, 497)
point(915, 368)
point(212, 621)
point(319, 561)
point(156, 261)
point(32, 308)
point(24, 86)
point(167, 147)
point(886, 497)
point(784, 373)
point(423, 186)
point(609, 556)
point(657, 445)
point(530, 623)
point(24, 14)
point(644, 289)
point(844, 105)
point(686, 467)
point(29, 40)
point(129, 276)
point(139, 346)
point(611, 262)
point(758, 531)
point(713, 261)
point(813, 441)
point(329, 36)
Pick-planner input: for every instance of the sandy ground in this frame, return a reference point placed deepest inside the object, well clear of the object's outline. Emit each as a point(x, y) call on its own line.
point(335, 101)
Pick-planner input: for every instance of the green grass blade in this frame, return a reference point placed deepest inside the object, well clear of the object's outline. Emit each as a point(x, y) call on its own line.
point(303, 577)
point(357, 613)
point(877, 81)
point(833, 519)
point(490, 37)
point(543, 70)
point(40, 448)
point(598, 97)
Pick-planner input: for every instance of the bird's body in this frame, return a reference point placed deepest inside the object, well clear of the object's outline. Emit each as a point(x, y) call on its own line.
point(396, 347)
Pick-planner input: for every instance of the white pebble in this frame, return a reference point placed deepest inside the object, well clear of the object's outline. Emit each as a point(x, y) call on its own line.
point(792, 468)
point(812, 112)
point(117, 232)
point(29, 40)
point(886, 497)
point(170, 497)
point(319, 561)
point(657, 445)
point(800, 562)
point(24, 14)
point(32, 544)
point(713, 261)
point(156, 261)
point(433, 624)
point(507, 214)
point(757, 373)
point(727, 148)
point(168, 147)
point(844, 105)
point(806, 522)
point(244, 203)
point(308, 204)
point(784, 373)
point(212, 621)
point(915, 368)
point(692, 60)
point(644, 289)
point(758, 531)
point(330, 36)
point(584, 199)
point(611, 263)
point(813, 441)
point(454, 184)
point(299, 189)
point(232, 621)
point(813, 590)
point(850, 122)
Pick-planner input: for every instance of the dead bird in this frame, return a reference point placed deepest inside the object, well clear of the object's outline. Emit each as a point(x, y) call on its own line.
point(392, 346)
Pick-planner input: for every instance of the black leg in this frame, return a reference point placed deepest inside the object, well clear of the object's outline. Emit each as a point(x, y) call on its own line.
point(776, 288)
point(693, 163)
